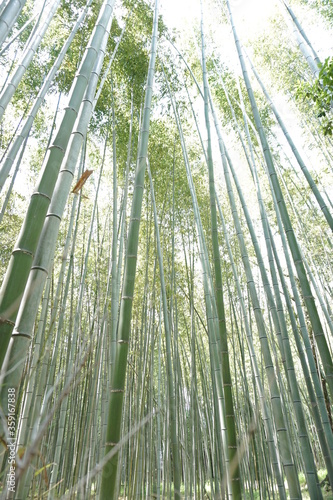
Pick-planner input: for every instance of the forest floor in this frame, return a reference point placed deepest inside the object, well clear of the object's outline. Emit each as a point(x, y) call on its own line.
point(255, 495)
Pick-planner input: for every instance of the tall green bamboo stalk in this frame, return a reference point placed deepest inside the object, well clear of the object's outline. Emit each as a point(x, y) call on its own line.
point(285, 450)
point(292, 241)
point(303, 42)
point(109, 475)
point(279, 321)
point(226, 376)
point(212, 319)
point(9, 16)
point(45, 251)
point(27, 56)
point(266, 414)
point(297, 155)
point(18, 34)
point(22, 257)
point(114, 276)
point(24, 131)
point(171, 385)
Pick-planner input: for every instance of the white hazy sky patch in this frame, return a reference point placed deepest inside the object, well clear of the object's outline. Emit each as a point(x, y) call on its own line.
point(251, 13)
point(252, 18)
point(179, 13)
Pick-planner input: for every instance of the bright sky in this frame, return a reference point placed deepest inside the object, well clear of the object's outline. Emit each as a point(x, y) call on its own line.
point(251, 17)
point(179, 13)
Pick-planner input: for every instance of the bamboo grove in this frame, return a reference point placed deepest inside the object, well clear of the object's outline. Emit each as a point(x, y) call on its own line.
point(166, 253)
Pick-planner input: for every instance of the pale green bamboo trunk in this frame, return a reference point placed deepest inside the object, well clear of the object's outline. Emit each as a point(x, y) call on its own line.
point(226, 376)
point(114, 294)
point(171, 385)
point(24, 132)
point(22, 257)
point(221, 441)
point(276, 309)
point(297, 257)
point(285, 450)
point(303, 42)
point(9, 16)
point(297, 155)
point(26, 59)
point(109, 476)
point(76, 340)
point(264, 407)
point(47, 244)
point(17, 34)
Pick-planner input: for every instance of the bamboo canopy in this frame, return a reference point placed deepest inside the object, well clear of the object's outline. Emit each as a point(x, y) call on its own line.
point(166, 250)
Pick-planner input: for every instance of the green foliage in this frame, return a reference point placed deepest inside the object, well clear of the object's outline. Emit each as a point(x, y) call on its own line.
point(57, 34)
point(31, 83)
point(130, 66)
point(9, 229)
point(230, 83)
point(279, 56)
point(179, 242)
point(25, 15)
point(324, 7)
point(321, 94)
